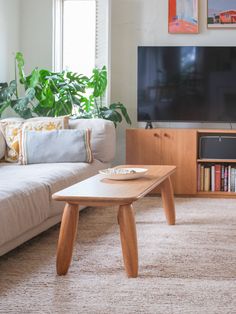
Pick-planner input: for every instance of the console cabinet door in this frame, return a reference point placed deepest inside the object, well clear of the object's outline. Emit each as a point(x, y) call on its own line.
point(179, 148)
point(166, 147)
point(143, 147)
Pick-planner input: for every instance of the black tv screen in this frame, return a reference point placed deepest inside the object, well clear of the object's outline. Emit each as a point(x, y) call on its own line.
point(187, 84)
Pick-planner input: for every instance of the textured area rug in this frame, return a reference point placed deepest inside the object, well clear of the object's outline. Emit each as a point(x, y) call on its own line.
point(186, 268)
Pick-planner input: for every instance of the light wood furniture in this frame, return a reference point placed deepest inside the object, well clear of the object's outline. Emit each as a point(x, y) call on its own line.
point(174, 147)
point(98, 191)
point(166, 147)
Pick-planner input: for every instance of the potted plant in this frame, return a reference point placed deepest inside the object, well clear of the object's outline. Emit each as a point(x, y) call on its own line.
point(50, 93)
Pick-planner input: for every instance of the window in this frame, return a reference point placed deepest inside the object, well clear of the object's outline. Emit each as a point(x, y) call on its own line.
point(79, 35)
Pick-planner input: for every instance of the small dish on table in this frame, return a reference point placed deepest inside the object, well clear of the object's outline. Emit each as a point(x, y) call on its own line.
point(123, 173)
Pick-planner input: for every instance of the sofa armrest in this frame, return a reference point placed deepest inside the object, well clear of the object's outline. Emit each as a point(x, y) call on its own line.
point(103, 137)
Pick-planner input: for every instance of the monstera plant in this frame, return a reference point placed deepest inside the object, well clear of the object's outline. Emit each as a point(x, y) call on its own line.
point(48, 93)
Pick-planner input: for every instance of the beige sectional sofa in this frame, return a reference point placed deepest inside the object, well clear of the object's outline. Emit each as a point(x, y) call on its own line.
point(26, 207)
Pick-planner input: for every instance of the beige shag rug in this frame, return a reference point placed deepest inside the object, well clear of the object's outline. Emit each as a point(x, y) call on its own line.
point(187, 268)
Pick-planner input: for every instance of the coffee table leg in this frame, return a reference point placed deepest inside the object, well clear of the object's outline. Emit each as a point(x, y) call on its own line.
point(168, 201)
point(67, 236)
point(128, 238)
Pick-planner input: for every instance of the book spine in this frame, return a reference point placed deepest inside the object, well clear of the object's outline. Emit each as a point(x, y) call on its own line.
point(198, 177)
point(213, 178)
point(202, 178)
point(207, 179)
point(217, 177)
point(232, 183)
point(229, 178)
point(222, 178)
point(226, 179)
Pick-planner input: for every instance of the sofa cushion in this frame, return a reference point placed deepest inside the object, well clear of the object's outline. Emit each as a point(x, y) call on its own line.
point(103, 137)
point(25, 193)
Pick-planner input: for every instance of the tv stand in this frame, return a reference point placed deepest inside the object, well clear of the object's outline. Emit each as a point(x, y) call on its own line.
point(149, 125)
point(180, 147)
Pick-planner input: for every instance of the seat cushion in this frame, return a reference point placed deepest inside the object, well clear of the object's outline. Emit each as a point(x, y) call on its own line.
point(25, 193)
point(57, 176)
point(24, 203)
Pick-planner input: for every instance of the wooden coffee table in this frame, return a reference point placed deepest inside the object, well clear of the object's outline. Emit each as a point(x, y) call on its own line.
point(97, 191)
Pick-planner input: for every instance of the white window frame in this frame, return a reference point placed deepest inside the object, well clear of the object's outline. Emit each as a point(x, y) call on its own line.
point(57, 36)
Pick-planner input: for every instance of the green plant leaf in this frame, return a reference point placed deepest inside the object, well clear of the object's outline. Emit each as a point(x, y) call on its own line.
point(120, 106)
point(98, 81)
point(3, 85)
point(7, 95)
point(3, 106)
point(7, 91)
point(29, 94)
point(44, 74)
point(20, 63)
point(87, 104)
point(22, 105)
point(34, 78)
point(111, 114)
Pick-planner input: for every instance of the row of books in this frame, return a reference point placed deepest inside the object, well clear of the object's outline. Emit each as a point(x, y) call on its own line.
point(216, 177)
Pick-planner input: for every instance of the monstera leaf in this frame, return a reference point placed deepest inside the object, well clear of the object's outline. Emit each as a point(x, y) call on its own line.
point(7, 92)
point(98, 81)
point(23, 105)
point(112, 113)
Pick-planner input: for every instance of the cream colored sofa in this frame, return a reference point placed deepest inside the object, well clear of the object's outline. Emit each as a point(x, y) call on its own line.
point(26, 207)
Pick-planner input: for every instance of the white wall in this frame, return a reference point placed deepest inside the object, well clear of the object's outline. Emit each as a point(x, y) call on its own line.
point(36, 33)
point(26, 26)
point(144, 22)
point(9, 36)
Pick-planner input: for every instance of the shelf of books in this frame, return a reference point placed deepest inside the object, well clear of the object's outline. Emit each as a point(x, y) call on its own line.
point(216, 177)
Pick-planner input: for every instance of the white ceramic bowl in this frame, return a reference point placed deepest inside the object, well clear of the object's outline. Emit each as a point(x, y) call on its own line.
point(123, 173)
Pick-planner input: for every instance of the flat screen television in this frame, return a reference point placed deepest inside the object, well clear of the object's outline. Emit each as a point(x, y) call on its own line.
point(186, 83)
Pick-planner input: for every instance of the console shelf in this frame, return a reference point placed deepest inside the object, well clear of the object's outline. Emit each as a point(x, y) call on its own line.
point(226, 161)
point(179, 147)
point(217, 194)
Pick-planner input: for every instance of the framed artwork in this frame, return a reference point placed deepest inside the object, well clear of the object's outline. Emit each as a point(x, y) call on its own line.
point(221, 13)
point(183, 17)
